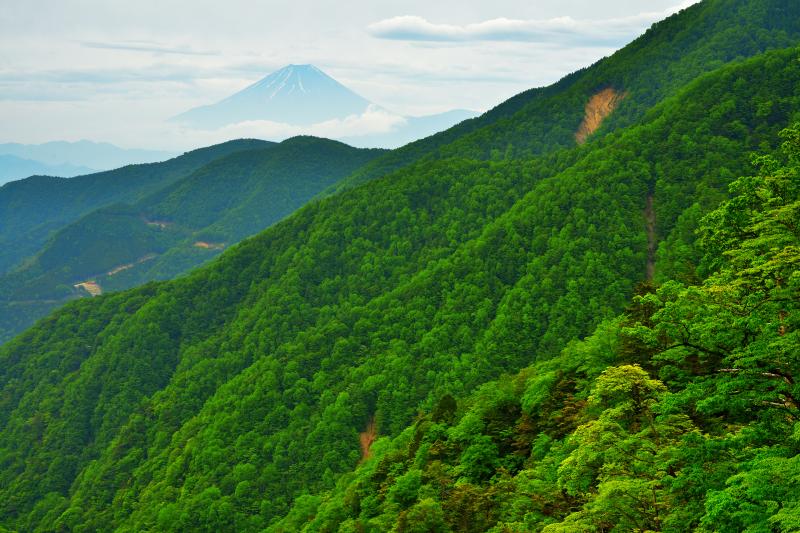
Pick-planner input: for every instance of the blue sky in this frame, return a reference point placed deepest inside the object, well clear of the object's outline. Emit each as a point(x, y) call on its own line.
point(111, 70)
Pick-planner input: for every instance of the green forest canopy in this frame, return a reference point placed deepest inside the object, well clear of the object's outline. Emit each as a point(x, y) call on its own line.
point(233, 399)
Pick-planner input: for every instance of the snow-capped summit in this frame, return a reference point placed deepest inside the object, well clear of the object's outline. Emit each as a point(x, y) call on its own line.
point(304, 96)
point(295, 94)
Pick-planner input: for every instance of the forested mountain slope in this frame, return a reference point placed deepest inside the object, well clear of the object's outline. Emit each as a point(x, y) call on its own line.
point(175, 228)
point(33, 208)
point(210, 402)
point(680, 415)
point(673, 52)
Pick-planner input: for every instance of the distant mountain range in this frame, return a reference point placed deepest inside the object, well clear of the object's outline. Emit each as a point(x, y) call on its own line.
point(68, 159)
point(303, 95)
point(14, 168)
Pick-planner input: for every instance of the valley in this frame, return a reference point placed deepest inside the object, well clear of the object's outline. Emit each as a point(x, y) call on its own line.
point(171, 230)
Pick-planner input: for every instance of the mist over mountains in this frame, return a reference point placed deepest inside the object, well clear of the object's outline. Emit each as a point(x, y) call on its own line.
point(296, 99)
point(304, 95)
point(15, 168)
point(68, 159)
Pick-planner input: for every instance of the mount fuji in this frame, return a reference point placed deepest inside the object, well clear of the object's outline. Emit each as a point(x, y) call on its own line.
point(296, 94)
point(303, 95)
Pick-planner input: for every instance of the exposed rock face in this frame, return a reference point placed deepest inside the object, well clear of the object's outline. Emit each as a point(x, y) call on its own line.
point(209, 245)
point(599, 106)
point(367, 437)
point(92, 287)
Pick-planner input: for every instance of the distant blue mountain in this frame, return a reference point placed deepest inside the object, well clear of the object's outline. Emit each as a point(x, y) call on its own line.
point(15, 168)
point(87, 154)
point(295, 94)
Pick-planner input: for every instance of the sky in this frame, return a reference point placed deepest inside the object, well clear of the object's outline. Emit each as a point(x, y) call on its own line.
point(116, 70)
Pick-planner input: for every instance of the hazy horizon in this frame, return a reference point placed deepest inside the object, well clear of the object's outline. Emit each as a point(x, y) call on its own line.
point(109, 72)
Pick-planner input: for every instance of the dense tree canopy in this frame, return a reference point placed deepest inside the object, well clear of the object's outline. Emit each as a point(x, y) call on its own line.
point(678, 415)
point(538, 342)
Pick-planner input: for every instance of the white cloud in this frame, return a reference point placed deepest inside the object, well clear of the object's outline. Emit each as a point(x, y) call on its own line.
point(373, 120)
point(600, 32)
point(149, 47)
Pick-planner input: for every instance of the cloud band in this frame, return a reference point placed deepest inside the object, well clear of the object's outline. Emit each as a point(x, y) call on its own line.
point(556, 30)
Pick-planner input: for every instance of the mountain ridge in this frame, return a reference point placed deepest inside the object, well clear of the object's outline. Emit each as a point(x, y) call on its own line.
point(15, 168)
point(32, 208)
point(527, 125)
point(175, 228)
point(95, 156)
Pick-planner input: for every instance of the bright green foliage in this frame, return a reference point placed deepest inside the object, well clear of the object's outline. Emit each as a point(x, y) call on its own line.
point(233, 398)
point(591, 442)
point(624, 454)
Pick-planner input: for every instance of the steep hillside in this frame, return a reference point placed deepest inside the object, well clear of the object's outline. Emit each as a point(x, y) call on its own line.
point(677, 416)
point(668, 56)
point(210, 402)
point(175, 228)
point(33, 208)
